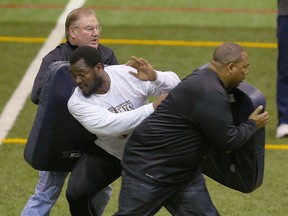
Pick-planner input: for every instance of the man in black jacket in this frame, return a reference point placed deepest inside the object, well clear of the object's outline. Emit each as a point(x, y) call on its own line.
point(81, 29)
point(162, 156)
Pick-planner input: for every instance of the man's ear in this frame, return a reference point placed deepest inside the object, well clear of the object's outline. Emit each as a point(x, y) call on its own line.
point(72, 31)
point(99, 67)
point(230, 67)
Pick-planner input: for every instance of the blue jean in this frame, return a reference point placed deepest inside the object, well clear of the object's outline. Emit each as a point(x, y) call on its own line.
point(48, 189)
point(141, 198)
point(282, 68)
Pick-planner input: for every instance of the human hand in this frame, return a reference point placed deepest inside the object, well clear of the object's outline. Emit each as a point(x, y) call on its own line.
point(261, 118)
point(145, 71)
point(158, 100)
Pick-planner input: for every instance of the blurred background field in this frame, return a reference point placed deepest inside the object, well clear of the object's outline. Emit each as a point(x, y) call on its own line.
point(200, 25)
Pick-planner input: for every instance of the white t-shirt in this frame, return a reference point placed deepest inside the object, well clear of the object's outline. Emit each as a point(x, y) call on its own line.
point(113, 116)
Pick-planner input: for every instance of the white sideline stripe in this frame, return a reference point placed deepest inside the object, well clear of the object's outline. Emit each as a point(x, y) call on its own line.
point(18, 99)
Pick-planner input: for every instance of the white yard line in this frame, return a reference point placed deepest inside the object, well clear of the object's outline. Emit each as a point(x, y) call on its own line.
point(18, 99)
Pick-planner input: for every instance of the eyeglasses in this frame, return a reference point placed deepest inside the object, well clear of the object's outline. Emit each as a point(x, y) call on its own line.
point(90, 28)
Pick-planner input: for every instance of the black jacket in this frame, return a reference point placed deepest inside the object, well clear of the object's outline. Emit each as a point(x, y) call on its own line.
point(168, 146)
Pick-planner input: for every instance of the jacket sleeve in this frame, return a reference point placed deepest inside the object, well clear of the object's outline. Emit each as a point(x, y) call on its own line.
point(101, 121)
point(215, 119)
point(38, 83)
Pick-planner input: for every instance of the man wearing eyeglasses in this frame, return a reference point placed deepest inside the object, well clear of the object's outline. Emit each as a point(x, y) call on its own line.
point(81, 29)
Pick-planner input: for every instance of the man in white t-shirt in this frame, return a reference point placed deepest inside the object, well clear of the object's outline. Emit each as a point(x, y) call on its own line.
point(109, 102)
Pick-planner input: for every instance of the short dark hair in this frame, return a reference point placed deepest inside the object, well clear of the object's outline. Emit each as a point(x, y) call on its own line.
point(90, 55)
point(228, 52)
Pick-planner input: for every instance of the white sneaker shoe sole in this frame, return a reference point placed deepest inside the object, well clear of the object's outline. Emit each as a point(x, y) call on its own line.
point(282, 131)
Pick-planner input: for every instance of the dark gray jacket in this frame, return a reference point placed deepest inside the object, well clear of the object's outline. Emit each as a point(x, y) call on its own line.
point(168, 146)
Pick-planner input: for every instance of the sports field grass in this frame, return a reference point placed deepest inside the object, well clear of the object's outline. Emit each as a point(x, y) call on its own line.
point(173, 35)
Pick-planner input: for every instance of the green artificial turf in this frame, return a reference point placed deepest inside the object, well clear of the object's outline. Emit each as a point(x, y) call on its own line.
point(182, 20)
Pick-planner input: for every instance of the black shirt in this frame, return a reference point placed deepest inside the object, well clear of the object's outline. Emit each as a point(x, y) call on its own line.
point(62, 53)
point(168, 146)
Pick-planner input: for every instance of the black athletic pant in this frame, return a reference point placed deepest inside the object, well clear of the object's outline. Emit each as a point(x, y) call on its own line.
point(95, 170)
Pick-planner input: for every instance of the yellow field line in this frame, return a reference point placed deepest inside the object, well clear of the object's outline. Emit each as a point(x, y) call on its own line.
point(14, 141)
point(183, 43)
point(23, 141)
point(276, 147)
point(146, 42)
point(22, 39)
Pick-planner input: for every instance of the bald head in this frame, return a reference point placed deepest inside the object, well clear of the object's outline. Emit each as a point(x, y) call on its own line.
point(230, 62)
point(228, 53)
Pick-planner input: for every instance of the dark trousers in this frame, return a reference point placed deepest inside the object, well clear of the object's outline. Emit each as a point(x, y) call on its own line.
point(282, 68)
point(95, 170)
point(141, 198)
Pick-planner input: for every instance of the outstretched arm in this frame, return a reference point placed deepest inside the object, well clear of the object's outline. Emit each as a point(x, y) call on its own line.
point(161, 82)
point(145, 71)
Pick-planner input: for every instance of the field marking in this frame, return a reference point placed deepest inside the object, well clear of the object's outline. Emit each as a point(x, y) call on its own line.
point(32, 6)
point(22, 39)
point(141, 8)
point(17, 100)
point(184, 43)
point(146, 42)
point(187, 10)
point(276, 147)
point(10, 141)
